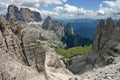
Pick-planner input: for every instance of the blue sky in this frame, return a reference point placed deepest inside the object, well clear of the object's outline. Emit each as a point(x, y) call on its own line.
point(87, 4)
point(69, 9)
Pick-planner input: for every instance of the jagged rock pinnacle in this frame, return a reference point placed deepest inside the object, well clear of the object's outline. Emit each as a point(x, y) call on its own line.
point(22, 14)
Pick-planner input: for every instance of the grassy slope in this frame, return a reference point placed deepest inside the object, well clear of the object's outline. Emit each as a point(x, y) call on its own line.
point(73, 51)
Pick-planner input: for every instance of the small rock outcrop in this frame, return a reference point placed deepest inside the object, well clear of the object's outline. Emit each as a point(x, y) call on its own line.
point(105, 48)
point(22, 15)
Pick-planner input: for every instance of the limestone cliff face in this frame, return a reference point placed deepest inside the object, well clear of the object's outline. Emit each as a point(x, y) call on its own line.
point(105, 48)
point(29, 15)
point(56, 26)
point(27, 55)
point(22, 15)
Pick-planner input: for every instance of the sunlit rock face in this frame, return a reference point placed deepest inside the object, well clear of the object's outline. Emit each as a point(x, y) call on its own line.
point(22, 14)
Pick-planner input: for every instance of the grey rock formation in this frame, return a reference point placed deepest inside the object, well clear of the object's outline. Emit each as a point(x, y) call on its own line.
point(14, 13)
point(29, 15)
point(56, 26)
point(110, 72)
point(10, 42)
point(69, 29)
point(47, 35)
point(27, 57)
point(105, 48)
point(32, 48)
point(22, 15)
point(15, 27)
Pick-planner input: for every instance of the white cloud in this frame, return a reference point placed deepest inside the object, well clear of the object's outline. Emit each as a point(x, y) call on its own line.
point(108, 8)
point(64, 0)
point(48, 13)
point(32, 4)
point(58, 9)
point(70, 11)
point(109, 3)
point(101, 12)
point(67, 11)
point(51, 1)
point(29, 3)
point(69, 8)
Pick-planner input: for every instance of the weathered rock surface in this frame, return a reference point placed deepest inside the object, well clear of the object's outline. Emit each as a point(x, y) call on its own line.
point(56, 26)
point(29, 15)
point(105, 48)
point(47, 35)
point(22, 15)
point(111, 72)
point(28, 57)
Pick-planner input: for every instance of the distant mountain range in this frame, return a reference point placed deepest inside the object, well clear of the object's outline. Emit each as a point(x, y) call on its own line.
point(84, 27)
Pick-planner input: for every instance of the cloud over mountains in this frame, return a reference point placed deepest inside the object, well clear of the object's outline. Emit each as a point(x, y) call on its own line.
point(107, 8)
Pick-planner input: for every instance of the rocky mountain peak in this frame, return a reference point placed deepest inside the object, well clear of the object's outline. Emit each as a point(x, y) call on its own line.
point(101, 23)
point(12, 8)
point(14, 13)
point(69, 29)
point(103, 33)
point(110, 25)
point(48, 18)
point(110, 21)
point(56, 26)
point(30, 15)
point(118, 23)
point(22, 14)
